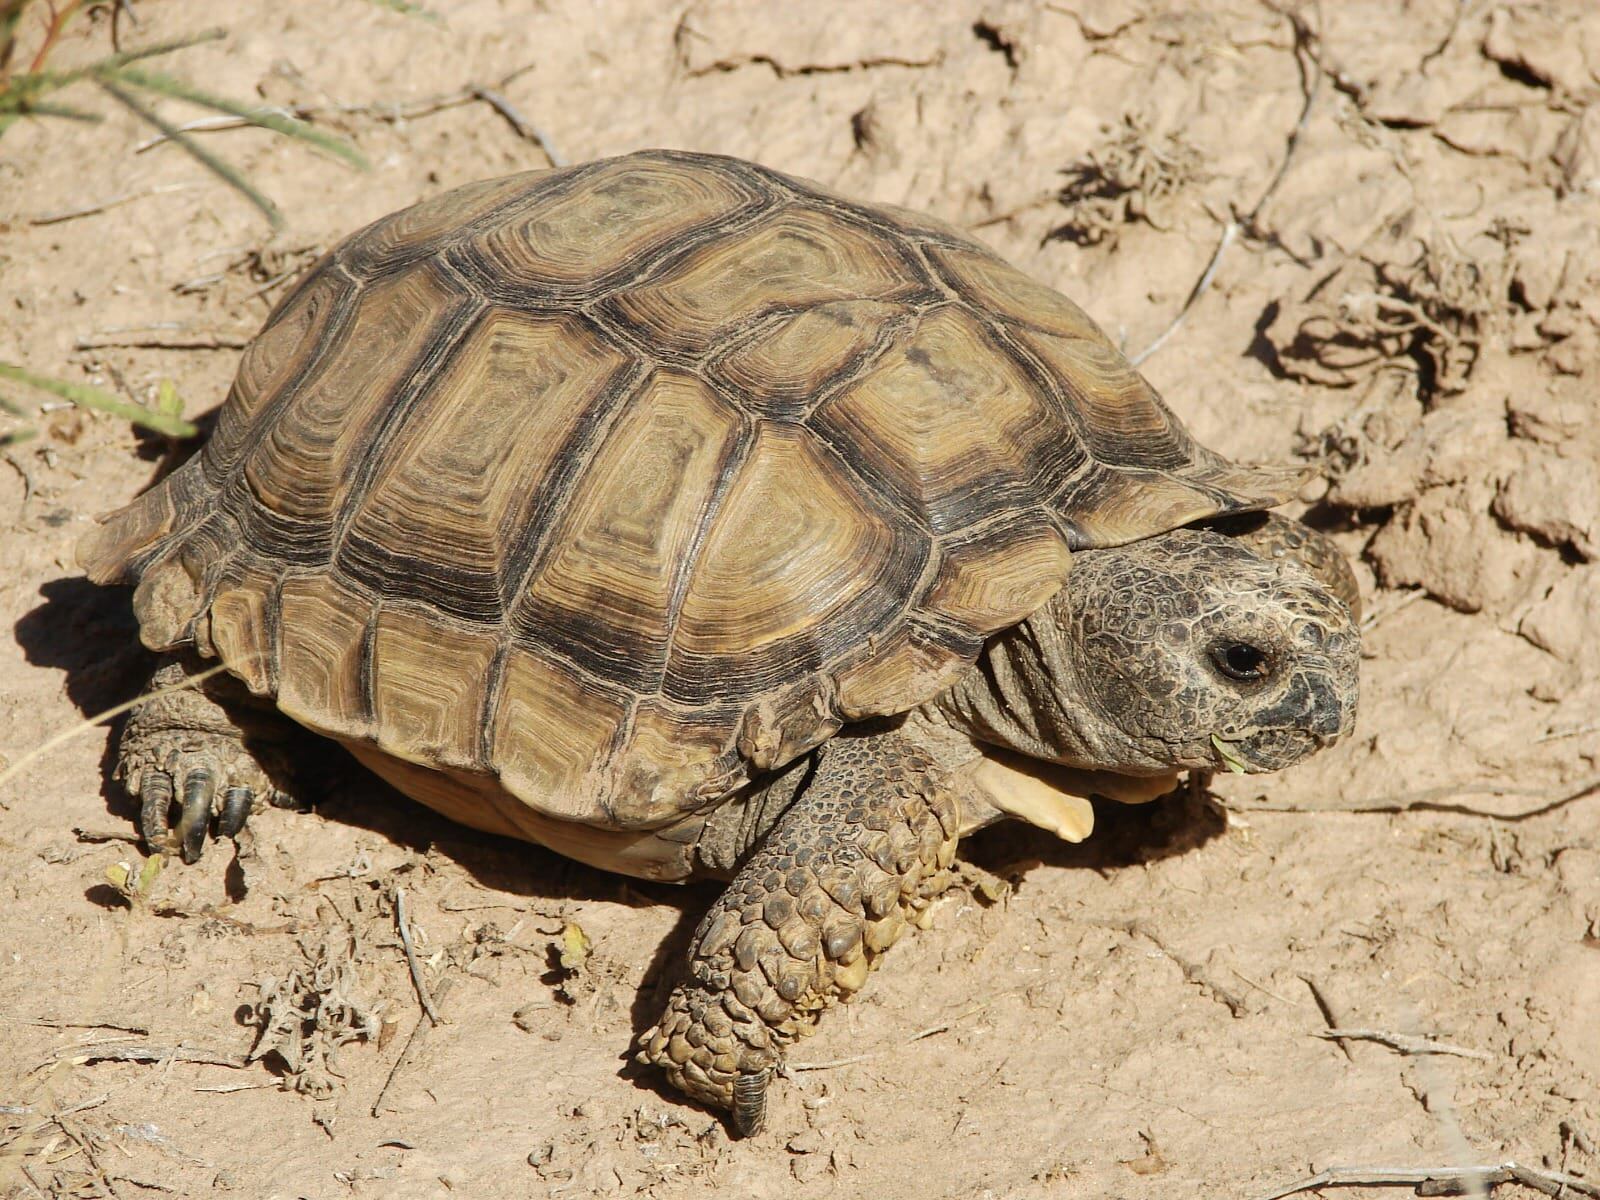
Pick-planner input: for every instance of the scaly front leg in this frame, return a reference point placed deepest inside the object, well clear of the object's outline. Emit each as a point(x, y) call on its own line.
point(858, 855)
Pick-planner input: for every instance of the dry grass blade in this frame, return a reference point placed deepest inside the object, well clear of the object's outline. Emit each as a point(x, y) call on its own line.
point(90, 397)
point(44, 748)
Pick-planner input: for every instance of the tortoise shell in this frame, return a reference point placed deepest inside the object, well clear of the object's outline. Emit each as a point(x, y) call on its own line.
point(619, 484)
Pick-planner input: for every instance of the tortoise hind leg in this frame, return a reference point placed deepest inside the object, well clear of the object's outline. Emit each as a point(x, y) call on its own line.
point(201, 749)
point(835, 882)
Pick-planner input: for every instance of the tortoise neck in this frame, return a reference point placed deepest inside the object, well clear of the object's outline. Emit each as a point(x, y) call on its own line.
point(1024, 694)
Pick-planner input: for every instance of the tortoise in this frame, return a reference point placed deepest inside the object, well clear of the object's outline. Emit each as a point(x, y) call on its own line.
point(692, 520)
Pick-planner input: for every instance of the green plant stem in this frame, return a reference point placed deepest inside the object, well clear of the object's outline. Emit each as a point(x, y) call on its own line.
point(206, 159)
point(91, 397)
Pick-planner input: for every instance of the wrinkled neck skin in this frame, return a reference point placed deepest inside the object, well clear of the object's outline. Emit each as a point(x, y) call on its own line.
point(1025, 694)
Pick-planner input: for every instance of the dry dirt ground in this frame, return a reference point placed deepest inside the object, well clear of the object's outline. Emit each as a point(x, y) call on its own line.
point(1406, 197)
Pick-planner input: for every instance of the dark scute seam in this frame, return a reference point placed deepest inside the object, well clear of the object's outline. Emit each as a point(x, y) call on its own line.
point(341, 311)
point(736, 452)
point(532, 546)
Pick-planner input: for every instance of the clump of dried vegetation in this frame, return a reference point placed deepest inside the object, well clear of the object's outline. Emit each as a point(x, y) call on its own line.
point(1416, 298)
point(305, 1017)
point(1133, 176)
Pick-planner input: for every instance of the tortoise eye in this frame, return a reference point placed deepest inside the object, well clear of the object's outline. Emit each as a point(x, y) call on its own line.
point(1242, 661)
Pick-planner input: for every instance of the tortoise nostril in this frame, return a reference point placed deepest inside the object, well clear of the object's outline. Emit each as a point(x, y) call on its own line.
point(1328, 717)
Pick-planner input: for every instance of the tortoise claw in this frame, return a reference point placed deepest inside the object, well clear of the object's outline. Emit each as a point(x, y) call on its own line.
point(199, 797)
point(155, 809)
point(199, 761)
point(750, 1101)
point(199, 789)
point(236, 805)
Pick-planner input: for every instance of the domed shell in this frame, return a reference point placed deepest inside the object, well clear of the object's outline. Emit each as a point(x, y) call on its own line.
point(622, 482)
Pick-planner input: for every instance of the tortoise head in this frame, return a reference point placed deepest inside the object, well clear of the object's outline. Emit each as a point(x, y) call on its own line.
point(1189, 650)
point(1181, 651)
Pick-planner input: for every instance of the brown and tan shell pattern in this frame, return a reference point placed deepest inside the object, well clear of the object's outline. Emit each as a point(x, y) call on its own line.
point(624, 481)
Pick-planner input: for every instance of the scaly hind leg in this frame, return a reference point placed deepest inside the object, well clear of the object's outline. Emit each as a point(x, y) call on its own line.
point(854, 860)
point(207, 750)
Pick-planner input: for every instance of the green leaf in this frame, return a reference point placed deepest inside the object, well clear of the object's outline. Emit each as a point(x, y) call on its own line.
point(1234, 764)
point(85, 396)
point(148, 872)
point(406, 8)
point(168, 402)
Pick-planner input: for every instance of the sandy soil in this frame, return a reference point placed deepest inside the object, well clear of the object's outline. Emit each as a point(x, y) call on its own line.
point(1407, 197)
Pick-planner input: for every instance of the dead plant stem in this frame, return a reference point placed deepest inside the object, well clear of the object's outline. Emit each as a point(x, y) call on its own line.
point(1405, 1043)
point(1550, 1183)
point(1430, 800)
point(411, 955)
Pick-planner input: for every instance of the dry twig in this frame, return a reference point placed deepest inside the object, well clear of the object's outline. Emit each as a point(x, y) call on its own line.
point(1557, 735)
point(156, 338)
point(1404, 602)
point(1326, 1008)
point(57, 1023)
point(1405, 1043)
point(1196, 973)
point(413, 1043)
point(96, 836)
point(1431, 800)
point(100, 206)
point(1229, 232)
point(411, 955)
point(493, 95)
point(1550, 1183)
point(145, 1053)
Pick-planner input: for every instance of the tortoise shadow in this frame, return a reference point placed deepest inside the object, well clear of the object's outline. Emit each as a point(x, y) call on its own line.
point(89, 633)
point(1125, 835)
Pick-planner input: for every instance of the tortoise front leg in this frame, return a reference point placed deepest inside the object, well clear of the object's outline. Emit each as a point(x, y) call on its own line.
point(857, 856)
